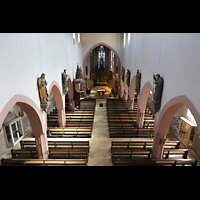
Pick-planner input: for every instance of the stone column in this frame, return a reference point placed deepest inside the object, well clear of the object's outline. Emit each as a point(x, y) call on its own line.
point(42, 146)
point(140, 118)
point(158, 146)
point(61, 117)
point(130, 104)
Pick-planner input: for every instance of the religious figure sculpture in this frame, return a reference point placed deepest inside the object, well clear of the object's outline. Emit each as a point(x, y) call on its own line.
point(123, 72)
point(137, 82)
point(158, 91)
point(64, 82)
point(43, 92)
point(128, 75)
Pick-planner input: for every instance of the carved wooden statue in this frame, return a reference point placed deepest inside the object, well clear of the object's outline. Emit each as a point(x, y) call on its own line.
point(123, 72)
point(43, 91)
point(158, 91)
point(128, 76)
point(64, 82)
point(137, 82)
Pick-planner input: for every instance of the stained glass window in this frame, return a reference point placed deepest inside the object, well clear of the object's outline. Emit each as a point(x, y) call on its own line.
point(101, 56)
point(112, 61)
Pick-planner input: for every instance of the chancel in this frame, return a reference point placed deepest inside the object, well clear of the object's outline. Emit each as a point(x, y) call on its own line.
point(102, 105)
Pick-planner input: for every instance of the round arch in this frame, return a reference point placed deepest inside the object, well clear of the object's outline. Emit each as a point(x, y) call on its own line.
point(55, 88)
point(143, 97)
point(60, 103)
point(93, 47)
point(131, 93)
point(36, 120)
point(71, 93)
point(132, 88)
point(165, 118)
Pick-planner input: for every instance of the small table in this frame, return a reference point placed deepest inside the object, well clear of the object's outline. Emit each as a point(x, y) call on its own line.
point(99, 91)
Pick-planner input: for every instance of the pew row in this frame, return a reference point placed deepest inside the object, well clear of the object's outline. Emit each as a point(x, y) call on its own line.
point(43, 162)
point(155, 162)
point(116, 145)
point(70, 132)
point(54, 144)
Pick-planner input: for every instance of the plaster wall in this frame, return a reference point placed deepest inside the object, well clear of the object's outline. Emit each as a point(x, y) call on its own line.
point(175, 56)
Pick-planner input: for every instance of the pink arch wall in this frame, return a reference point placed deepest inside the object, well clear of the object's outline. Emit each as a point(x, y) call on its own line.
point(132, 88)
point(55, 88)
point(143, 97)
point(31, 109)
point(165, 118)
point(169, 110)
point(71, 93)
point(35, 118)
point(94, 46)
point(60, 103)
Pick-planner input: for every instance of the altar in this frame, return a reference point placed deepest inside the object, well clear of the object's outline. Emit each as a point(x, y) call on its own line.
point(101, 91)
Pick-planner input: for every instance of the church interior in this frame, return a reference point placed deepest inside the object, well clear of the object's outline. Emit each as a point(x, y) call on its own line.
point(99, 99)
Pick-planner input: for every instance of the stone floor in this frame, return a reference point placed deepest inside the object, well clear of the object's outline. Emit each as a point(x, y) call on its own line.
point(100, 143)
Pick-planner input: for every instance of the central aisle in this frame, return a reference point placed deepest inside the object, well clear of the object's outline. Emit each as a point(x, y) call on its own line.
point(100, 143)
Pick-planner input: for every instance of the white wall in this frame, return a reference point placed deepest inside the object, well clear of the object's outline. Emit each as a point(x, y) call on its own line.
point(90, 39)
point(24, 56)
point(176, 56)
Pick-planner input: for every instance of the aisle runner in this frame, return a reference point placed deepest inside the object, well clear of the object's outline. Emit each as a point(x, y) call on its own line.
point(100, 154)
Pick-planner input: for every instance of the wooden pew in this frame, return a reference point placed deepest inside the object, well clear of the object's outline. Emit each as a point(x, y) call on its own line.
point(53, 153)
point(130, 132)
point(116, 145)
point(43, 162)
point(25, 144)
point(175, 152)
point(70, 132)
point(24, 153)
point(68, 153)
point(155, 162)
point(146, 153)
point(131, 153)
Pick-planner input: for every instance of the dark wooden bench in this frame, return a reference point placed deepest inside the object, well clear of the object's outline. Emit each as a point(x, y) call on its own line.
point(43, 162)
point(130, 132)
point(175, 152)
point(146, 153)
point(57, 144)
point(68, 153)
point(131, 153)
point(53, 153)
point(70, 132)
point(24, 153)
point(155, 162)
point(141, 145)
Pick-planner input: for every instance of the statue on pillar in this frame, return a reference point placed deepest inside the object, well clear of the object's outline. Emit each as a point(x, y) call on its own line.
point(64, 82)
point(128, 76)
point(137, 82)
point(43, 94)
point(158, 91)
point(123, 72)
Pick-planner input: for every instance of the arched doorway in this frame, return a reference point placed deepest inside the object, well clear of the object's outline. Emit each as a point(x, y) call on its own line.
point(142, 102)
point(60, 103)
point(36, 120)
point(165, 118)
